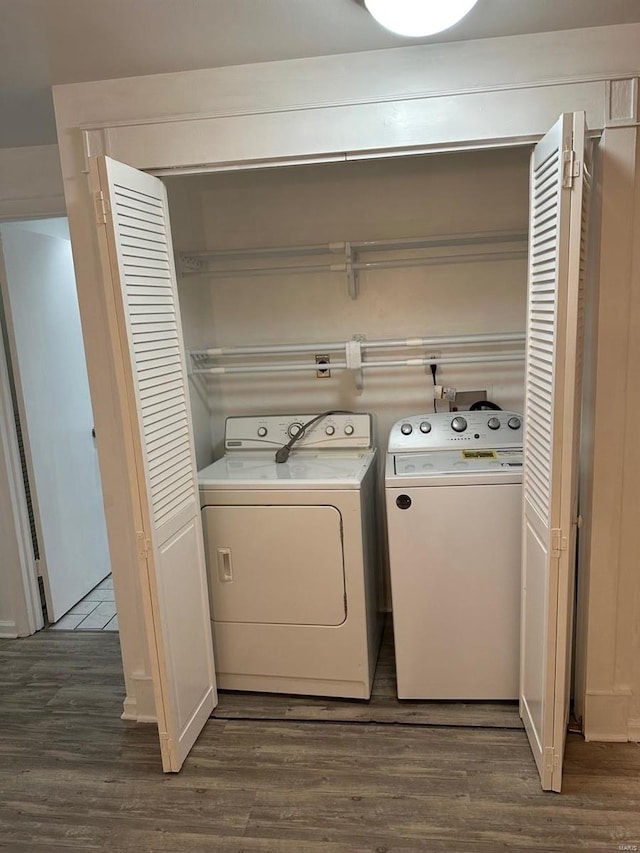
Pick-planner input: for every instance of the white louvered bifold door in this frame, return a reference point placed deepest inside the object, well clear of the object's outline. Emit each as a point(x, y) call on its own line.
point(137, 259)
point(560, 182)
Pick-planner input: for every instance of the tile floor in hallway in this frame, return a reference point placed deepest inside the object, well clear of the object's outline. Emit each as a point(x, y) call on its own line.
point(96, 611)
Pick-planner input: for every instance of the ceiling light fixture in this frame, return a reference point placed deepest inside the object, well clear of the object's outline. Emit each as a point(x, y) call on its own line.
point(418, 18)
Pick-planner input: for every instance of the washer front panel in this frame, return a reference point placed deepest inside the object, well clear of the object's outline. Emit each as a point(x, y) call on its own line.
point(457, 462)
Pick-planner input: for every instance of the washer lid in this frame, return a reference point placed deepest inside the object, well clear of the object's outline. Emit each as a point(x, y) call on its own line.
point(457, 462)
point(323, 470)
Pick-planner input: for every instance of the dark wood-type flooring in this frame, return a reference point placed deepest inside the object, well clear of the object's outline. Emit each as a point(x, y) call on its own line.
point(383, 707)
point(73, 776)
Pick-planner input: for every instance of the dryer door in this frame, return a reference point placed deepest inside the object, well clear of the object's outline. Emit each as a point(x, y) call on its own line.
point(275, 564)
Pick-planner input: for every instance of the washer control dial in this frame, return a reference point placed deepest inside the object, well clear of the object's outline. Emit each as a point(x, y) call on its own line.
point(294, 429)
point(514, 423)
point(349, 429)
point(458, 424)
point(262, 431)
point(406, 429)
point(425, 427)
point(330, 430)
point(493, 423)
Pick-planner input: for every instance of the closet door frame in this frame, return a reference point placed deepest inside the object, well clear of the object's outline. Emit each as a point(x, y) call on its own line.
point(147, 122)
point(36, 172)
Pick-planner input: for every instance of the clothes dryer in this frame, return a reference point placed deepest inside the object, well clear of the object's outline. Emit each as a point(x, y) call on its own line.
point(291, 556)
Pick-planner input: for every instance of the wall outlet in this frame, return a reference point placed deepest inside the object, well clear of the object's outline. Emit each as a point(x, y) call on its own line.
point(323, 372)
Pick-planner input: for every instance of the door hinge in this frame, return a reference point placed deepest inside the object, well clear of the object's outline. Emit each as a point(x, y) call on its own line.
point(571, 167)
point(550, 759)
point(167, 744)
point(144, 545)
point(102, 208)
point(558, 542)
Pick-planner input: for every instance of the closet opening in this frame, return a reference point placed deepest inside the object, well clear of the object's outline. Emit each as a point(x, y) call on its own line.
point(290, 279)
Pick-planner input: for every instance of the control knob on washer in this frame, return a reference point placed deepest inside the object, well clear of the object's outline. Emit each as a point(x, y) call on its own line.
point(493, 423)
point(514, 423)
point(425, 427)
point(349, 429)
point(406, 429)
point(329, 430)
point(262, 431)
point(294, 429)
point(458, 424)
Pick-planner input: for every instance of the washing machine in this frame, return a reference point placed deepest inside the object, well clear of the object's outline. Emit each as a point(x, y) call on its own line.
point(291, 556)
point(453, 488)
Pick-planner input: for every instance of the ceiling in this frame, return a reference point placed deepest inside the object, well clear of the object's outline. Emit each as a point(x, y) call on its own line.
point(44, 42)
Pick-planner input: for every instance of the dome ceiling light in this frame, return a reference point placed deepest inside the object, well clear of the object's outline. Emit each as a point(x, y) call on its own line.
point(418, 18)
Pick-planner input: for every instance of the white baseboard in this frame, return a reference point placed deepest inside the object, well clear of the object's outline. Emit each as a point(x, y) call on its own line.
point(607, 715)
point(140, 708)
point(8, 629)
point(634, 731)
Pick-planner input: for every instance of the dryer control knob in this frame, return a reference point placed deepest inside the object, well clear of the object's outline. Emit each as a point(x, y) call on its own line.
point(425, 427)
point(493, 423)
point(349, 429)
point(514, 423)
point(330, 430)
point(458, 424)
point(406, 429)
point(262, 431)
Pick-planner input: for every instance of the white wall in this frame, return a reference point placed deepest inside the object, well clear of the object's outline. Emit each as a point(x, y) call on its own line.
point(187, 231)
point(30, 182)
point(378, 199)
point(610, 539)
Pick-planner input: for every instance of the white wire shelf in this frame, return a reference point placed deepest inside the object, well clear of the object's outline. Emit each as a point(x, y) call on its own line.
point(347, 257)
point(498, 347)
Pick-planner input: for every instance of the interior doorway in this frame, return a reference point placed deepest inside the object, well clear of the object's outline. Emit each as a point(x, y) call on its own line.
point(44, 348)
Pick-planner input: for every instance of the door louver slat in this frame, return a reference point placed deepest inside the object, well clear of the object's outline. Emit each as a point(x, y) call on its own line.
point(541, 333)
point(155, 335)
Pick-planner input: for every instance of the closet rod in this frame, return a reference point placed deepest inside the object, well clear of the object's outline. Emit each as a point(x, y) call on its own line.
point(481, 358)
point(340, 266)
point(337, 346)
point(340, 247)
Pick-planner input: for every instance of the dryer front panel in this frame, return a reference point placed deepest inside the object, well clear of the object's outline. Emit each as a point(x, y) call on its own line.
point(275, 564)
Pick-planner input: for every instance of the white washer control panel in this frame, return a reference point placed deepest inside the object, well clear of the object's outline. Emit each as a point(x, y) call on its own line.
point(268, 432)
point(448, 430)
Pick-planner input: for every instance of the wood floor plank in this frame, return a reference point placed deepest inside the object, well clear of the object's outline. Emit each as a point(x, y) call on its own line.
point(74, 777)
point(383, 707)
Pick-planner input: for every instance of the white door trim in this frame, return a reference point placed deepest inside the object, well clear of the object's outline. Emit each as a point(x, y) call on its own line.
point(22, 594)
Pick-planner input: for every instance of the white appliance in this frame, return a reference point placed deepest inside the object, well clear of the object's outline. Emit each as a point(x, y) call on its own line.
point(291, 556)
point(454, 502)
